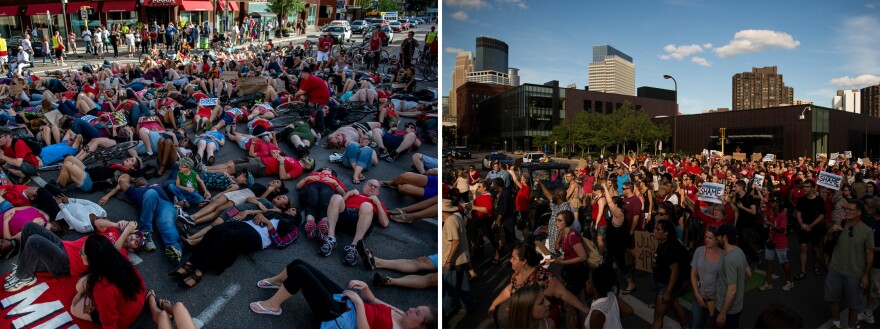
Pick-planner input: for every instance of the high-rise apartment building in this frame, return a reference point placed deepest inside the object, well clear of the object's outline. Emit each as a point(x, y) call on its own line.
point(612, 71)
point(871, 100)
point(848, 101)
point(760, 88)
point(491, 55)
point(464, 64)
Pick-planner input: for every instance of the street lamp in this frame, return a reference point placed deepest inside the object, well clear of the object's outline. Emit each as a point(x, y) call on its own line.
point(801, 117)
point(675, 118)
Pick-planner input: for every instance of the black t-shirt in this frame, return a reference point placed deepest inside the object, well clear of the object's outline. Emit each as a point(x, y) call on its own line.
point(810, 209)
point(503, 204)
point(745, 218)
point(670, 252)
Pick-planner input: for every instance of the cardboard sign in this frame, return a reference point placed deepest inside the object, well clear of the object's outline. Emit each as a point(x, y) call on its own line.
point(646, 244)
point(582, 163)
point(53, 116)
point(739, 156)
point(866, 161)
point(848, 154)
point(757, 156)
point(252, 85)
point(229, 75)
point(208, 102)
point(860, 162)
point(834, 156)
point(829, 180)
point(841, 157)
point(769, 158)
point(832, 163)
point(758, 181)
point(711, 192)
point(619, 158)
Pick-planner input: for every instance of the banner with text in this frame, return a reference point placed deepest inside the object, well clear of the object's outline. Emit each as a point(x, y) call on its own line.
point(829, 180)
point(711, 192)
point(758, 181)
point(646, 244)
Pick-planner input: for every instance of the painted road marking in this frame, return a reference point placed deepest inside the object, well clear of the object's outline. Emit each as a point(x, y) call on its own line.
point(645, 312)
point(208, 314)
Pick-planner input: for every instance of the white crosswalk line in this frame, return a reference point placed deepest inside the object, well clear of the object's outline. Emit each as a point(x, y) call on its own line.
point(208, 314)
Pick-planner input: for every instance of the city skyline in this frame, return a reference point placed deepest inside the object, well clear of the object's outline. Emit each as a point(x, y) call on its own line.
point(820, 48)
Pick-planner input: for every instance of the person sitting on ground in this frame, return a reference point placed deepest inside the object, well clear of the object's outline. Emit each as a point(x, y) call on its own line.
point(112, 292)
point(220, 247)
point(353, 212)
point(19, 161)
point(188, 187)
point(397, 142)
point(321, 294)
point(416, 265)
point(316, 191)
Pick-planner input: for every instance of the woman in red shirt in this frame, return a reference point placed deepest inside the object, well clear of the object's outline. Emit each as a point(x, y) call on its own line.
point(112, 294)
point(335, 306)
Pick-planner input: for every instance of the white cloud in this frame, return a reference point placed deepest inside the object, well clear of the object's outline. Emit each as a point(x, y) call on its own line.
point(707, 45)
point(474, 4)
point(460, 15)
point(519, 3)
point(700, 61)
point(752, 41)
point(680, 52)
point(858, 41)
point(453, 50)
point(859, 81)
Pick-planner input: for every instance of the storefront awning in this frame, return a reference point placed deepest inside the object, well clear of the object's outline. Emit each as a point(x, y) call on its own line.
point(117, 6)
point(9, 11)
point(197, 6)
point(161, 3)
point(74, 7)
point(52, 8)
point(233, 5)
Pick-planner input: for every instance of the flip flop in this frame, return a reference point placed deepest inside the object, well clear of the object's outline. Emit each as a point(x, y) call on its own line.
point(817, 271)
point(800, 276)
point(265, 284)
point(258, 308)
point(401, 218)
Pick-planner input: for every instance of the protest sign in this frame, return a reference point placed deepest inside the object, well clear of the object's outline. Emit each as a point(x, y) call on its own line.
point(821, 156)
point(252, 85)
point(841, 157)
point(848, 154)
point(834, 156)
point(711, 192)
point(739, 156)
point(866, 161)
point(758, 181)
point(829, 180)
point(229, 75)
point(757, 156)
point(832, 163)
point(208, 102)
point(769, 158)
point(646, 244)
point(860, 161)
point(582, 163)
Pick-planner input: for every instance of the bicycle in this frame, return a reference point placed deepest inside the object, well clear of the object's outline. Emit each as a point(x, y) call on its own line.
point(104, 156)
point(428, 66)
point(353, 112)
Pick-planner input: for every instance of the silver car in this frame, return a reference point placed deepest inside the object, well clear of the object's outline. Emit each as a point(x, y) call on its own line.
point(340, 33)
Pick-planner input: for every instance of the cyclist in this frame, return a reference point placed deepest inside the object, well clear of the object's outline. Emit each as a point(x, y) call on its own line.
point(376, 46)
point(408, 48)
point(324, 46)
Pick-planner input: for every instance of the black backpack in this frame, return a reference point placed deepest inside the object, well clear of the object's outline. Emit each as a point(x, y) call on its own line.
point(32, 143)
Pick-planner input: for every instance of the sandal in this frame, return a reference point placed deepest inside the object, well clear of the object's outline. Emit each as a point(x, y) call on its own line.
point(817, 271)
point(265, 284)
point(396, 211)
point(258, 308)
point(211, 160)
point(366, 255)
point(187, 270)
point(195, 278)
point(401, 218)
point(358, 179)
point(800, 276)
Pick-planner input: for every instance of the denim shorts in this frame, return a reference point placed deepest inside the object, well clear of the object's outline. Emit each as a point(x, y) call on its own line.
point(776, 254)
point(87, 184)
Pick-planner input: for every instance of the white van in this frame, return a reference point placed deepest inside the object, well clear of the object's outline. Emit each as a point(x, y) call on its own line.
point(533, 157)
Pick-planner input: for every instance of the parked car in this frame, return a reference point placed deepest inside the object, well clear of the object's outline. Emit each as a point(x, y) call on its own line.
point(462, 152)
point(340, 33)
point(447, 152)
point(395, 26)
point(492, 157)
point(388, 33)
point(532, 157)
point(340, 22)
point(358, 26)
point(407, 23)
point(14, 42)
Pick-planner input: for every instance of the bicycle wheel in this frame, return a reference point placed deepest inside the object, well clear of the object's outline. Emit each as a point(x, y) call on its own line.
point(384, 61)
point(353, 114)
point(429, 72)
point(359, 59)
point(335, 51)
point(290, 108)
point(142, 56)
point(281, 122)
point(116, 152)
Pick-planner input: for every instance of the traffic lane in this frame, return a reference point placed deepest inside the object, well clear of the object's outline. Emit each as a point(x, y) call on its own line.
point(396, 241)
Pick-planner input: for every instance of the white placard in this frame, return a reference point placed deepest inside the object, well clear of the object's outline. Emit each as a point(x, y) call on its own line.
point(758, 181)
point(834, 155)
point(711, 192)
point(828, 180)
point(205, 102)
point(848, 154)
point(832, 163)
point(768, 158)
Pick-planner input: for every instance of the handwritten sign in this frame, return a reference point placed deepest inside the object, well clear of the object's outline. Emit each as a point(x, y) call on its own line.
point(756, 156)
point(711, 192)
point(821, 156)
point(769, 158)
point(860, 161)
point(848, 154)
point(206, 102)
point(646, 244)
point(834, 155)
point(739, 156)
point(841, 157)
point(866, 161)
point(829, 180)
point(832, 163)
point(758, 181)
point(229, 75)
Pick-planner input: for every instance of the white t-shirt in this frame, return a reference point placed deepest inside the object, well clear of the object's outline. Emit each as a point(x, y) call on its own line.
point(264, 232)
point(98, 36)
point(26, 44)
point(129, 38)
point(87, 35)
point(608, 306)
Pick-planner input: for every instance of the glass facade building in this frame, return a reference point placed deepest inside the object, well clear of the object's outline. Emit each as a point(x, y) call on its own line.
point(518, 115)
point(491, 55)
point(600, 53)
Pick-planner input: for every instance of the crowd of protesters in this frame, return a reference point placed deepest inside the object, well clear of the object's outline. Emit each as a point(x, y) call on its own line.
point(158, 104)
point(704, 245)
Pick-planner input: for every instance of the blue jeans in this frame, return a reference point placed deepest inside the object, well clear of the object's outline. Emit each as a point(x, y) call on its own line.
point(68, 107)
point(136, 86)
point(165, 215)
point(699, 316)
point(360, 155)
point(193, 197)
point(456, 290)
point(89, 49)
point(36, 99)
point(137, 111)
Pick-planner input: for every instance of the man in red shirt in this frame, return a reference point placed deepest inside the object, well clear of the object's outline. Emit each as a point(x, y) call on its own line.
point(19, 161)
point(356, 212)
point(324, 45)
point(286, 168)
point(314, 87)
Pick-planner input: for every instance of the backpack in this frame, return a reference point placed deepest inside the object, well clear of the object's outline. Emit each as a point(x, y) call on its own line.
point(35, 146)
point(593, 257)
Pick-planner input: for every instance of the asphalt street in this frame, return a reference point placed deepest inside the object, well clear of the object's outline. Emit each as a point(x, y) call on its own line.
point(806, 299)
point(222, 301)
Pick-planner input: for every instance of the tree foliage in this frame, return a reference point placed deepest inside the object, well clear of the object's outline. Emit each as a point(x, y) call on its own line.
point(283, 8)
point(388, 5)
point(595, 131)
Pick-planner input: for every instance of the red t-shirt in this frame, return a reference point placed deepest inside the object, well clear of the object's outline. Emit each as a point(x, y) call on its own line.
point(522, 199)
point(378, 316)
point(113, 309)
point(355, 201)
point(325, 43)
point(294, 169)
point(317, 90)
point(779, 238)
point(89, 88)
point(15, 194)
point(21, 151)
point(571, 240)
point(690, 192)
point(603, 221)
point(484, 200)
point(323, 175)
point(261, 148)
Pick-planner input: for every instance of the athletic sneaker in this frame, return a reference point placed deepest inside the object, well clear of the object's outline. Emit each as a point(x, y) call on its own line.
point(766, 286)
point(328, 246)
point(149, 245)
point(11, 274)
point(351, 255)
point(788, 286)
point(866, 316)
point(173, 254)
point(335, 157)
point(311, 230)
point(17, 284)
point(184, 217)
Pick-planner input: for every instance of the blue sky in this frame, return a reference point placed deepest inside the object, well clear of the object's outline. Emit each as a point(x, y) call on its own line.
point(818, 46)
